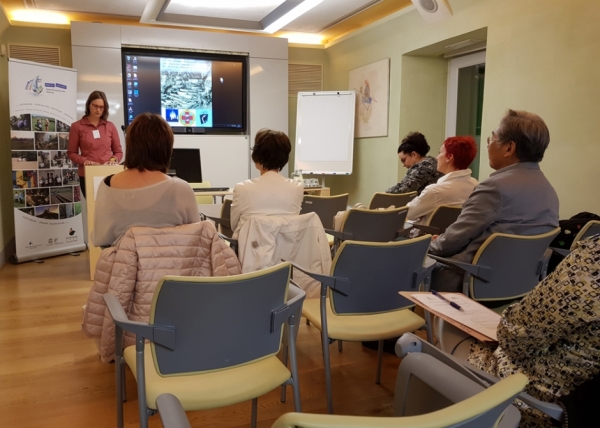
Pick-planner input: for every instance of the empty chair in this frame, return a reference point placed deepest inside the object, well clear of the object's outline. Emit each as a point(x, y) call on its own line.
point(506, 267)
point(385, 200)
point(458, 402)
point(326, 207)
point(360, 300)
point(371, 225)
point(224, 222)
point(213, 341)
point(201, 200)
point(410, 344)
point(441, 217)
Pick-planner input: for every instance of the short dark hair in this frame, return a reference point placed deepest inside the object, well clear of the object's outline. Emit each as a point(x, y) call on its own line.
point(463, 149)
point(97, 95)
point(148, 144)
point(529, 133)
point(271, 149)
point(414, 142)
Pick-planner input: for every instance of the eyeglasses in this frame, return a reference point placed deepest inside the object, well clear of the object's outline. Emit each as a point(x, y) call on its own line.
point(96, 106)
point(491, 140)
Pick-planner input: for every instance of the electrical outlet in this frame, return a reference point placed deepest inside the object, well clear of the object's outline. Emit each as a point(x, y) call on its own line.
point(2, 50)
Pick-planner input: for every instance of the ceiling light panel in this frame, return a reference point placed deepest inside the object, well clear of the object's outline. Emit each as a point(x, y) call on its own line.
point(124, 8)
point(325, 13)
point(254, 10)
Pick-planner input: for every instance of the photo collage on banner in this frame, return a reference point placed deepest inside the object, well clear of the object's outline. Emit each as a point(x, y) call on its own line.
point(45, 182)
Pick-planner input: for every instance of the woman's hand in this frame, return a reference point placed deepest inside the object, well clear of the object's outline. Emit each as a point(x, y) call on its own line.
point(89, 162)
point(112, 161)
point(434, 237)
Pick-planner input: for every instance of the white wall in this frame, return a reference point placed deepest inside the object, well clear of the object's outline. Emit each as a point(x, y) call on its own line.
point(225, 159)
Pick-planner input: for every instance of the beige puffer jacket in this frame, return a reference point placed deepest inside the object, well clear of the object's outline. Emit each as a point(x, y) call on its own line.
point(131, 270)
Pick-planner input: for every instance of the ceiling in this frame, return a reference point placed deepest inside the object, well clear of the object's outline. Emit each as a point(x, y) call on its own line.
point(323, 24)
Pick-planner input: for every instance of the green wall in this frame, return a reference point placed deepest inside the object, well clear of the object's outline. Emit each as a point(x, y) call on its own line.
point(541, 57)
point(19, 35)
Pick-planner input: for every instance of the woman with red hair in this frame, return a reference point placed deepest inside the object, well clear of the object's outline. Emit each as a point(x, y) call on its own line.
point(453, 160)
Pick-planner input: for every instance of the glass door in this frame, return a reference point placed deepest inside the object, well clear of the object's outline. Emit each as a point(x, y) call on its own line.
point(466, 78)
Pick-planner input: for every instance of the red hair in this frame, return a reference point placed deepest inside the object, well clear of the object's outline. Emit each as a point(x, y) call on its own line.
point(463, 149)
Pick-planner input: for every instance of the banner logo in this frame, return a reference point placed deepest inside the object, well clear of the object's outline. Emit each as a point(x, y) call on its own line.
point(35, 85)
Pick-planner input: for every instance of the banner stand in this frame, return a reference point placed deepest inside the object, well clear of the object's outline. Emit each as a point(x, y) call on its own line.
point(46, 193)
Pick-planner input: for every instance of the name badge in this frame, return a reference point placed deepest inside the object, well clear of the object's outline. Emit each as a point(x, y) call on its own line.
point(96, 133)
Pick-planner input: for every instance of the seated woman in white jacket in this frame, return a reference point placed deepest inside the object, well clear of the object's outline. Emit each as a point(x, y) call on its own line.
point(454, 187)
point(271, 193)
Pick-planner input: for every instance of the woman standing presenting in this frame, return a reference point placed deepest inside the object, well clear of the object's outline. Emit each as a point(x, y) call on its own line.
point(94, 140)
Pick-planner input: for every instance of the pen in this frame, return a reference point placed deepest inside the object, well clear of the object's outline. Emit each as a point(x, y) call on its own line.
point(453, 304)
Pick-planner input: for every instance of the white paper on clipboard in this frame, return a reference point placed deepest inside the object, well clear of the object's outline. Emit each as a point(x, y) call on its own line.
point(472, 314)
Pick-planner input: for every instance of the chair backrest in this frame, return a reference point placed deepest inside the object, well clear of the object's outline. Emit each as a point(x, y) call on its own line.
point(226, 215)
point(202, 199)
point(326, 207)
point(516, 263)
point(425, 384)
point(384, 200)
point(374, 225)
point(592, 227)
point(377, 272)
point(464, 404)
point(219, 322)
point(443, 216)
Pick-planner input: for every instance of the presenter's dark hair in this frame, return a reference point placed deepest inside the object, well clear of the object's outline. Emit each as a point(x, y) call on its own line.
point(148, 144)
point(271, 149)
point(97, 95)
point(414, 142)
point(529, 133)
point(463, 149)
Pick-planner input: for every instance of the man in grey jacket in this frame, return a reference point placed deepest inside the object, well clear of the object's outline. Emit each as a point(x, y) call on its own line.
point(516, 199)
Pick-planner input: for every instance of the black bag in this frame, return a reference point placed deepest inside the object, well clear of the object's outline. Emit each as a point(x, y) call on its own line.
point(568, 231)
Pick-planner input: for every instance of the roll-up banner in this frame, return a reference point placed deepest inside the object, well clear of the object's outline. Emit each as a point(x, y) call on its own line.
point(46, 194)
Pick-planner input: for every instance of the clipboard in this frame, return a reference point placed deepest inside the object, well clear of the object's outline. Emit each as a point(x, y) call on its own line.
point(471, 331)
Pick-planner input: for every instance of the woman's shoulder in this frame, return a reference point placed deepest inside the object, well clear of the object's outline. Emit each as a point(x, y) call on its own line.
point(178, 183)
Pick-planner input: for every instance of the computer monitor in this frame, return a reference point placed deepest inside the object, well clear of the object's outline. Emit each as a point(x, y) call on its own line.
point(185, 164)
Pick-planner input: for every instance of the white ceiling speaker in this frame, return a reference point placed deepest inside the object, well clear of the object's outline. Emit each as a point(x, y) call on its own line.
point(433, 10)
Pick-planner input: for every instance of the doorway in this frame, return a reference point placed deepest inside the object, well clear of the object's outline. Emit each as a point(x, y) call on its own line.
point(466, 79)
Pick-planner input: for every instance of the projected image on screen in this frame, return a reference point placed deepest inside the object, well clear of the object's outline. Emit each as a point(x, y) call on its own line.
point(195, 92)
point(186, 91)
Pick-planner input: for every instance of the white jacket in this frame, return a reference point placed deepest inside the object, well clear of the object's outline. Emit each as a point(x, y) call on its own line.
point(264, 241)
point(453, 188)
point(269, 194)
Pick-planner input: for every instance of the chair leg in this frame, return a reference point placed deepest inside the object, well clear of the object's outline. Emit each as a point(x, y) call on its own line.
point(340, 346)
point(379, 360)
point(327, 364)
point(120, 381)
point(428, 327)
point(294, 370)
point(284, 359)
point(254, 412)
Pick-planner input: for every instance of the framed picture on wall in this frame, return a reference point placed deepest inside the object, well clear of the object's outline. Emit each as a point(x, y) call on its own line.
point(372, 86)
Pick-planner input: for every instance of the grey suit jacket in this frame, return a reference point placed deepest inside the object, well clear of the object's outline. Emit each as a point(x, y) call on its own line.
point(517, 199)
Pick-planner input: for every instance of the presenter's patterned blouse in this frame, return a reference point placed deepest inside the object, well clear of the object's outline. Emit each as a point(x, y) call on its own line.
point(553, 334)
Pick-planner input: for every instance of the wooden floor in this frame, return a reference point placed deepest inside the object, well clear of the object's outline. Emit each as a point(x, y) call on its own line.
point(50, 374)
